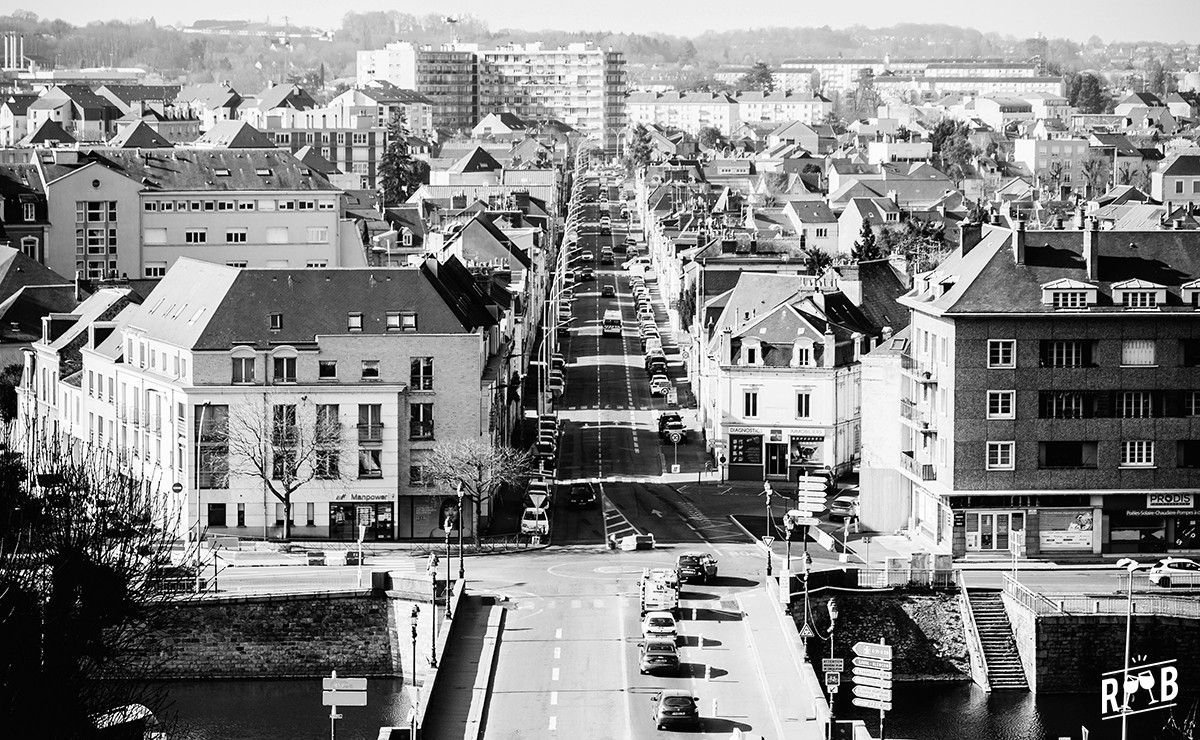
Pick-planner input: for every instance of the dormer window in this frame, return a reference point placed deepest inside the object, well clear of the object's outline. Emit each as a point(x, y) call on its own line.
point(1191, 293)
point(1069, 299)
point(262, 172)
point(1141, 294)
point(1140, 299)
point(354, 322)
point(276, 321)
point(1068, 295)
point(406, 238)
point(221, 172)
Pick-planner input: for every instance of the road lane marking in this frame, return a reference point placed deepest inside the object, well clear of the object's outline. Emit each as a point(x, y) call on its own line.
point(553, 698)
point(554, 674)
point(558, 634)
point(553, 723)
point(557, 653)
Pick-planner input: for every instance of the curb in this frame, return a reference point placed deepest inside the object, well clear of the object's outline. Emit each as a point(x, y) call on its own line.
point(481, 693)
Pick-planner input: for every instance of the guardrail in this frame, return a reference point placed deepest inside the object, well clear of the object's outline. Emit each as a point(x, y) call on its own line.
point(1114, 604)
point(974, 645)
point(907, 577)
point(1031, 600)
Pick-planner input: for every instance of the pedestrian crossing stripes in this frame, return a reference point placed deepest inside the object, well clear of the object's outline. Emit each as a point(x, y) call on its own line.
point(615, 523)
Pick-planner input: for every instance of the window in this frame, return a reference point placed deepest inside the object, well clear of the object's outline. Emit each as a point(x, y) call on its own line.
point(1140, 299)
point(283, 424)
point(1000, 455)
point(370, 369)
point(821, 233)
point(285, 369)
point(416, 475)
point(1187, 453)
point(311, 264)
point(327, 464)
point(1137, 453)
point(1137, 352)
point(421, 374)
point(408, 321)
point(325, 205)
point(1069, 353)
point(241, 515)
point(318, 234)
point(359, 139)
point(277, 235)
point(406, 238)
point(279, 514)
point(1002, 353)
point(370, 426)
point(369, 460)
point(803, 405)
point(154, 236)
point(327, 369)
point(1000, 404)
point(1063, 405)
point(310, 514)
point(212, 447)
point(225, 205)
point(216, 515)
point(354, 322)
point(287, 205)
point(154, 269)
point(306, 205)
point(1190, 349)
point(393, 321)
point(420, 421)
point(276, 320)
point(29, 212)
point(1135, 404)
point(245, 205)
point(195, 236)
point(1069, 298)
point(1191, 403)
point(1067, 455)
point(236, 263)
point(243, 370)
point(235, 236)
point(749, 404)
point(751, 356)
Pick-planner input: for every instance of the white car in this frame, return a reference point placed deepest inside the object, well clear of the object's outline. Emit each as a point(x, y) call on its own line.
point(659, 385)
point(1175, 572)
point(535, 521)
point(658, 624)
point(587, 256)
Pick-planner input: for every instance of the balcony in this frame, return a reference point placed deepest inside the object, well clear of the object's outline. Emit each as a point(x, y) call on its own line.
point(917, 416)
point(915, 468)
point(421, 430)
point(370, 432)
point(918, 371)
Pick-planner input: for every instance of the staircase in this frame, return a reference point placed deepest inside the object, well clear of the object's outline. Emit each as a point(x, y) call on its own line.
point(1004, 669)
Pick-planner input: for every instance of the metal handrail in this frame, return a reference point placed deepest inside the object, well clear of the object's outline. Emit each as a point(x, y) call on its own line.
point(1031, 600)
point(975, 645)
point(1144, 605)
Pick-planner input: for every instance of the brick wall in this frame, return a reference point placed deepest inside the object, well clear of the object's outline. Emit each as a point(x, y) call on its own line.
point(303, 635)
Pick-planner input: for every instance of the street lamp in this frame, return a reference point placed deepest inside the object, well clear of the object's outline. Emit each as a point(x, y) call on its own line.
point(767, 534)
point(413, 621)
point(833, 615)
point(1130, 565)
point(447, 524)
point(461, 570)
point(433, 564)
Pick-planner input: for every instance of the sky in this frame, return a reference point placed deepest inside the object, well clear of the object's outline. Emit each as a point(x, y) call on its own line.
point(1115, 20)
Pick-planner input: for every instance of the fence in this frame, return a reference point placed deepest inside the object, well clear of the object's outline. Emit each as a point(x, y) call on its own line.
point(907, 577)
point(1031, 600)
point(1113, 604)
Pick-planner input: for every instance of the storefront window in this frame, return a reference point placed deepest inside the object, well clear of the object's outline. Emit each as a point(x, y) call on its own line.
point(344, 519)
point(745, 449)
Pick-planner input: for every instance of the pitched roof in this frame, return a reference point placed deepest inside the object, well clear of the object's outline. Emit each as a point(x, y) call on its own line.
point(290, 96)
point(50, 132)
point(1147, 99)
point(882, 285)
point(482, 241)
point(18, 103)
point(476, 160)
point(210, 95)
point(138, 135)
point(82, 96)
point(811, 211)
point(312, 159)
point(1187, 165)
point(18, 270)
point(211, 169)
point(386, 92)
point(234, 135)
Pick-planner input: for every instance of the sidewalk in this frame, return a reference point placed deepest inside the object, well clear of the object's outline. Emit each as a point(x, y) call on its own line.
point(789, 685)
point(449, 706)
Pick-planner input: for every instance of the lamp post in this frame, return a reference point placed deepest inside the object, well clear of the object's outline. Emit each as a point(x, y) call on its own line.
point(447, 524)
point(461, 570)
point(416, 610)
point(833, 615)
point(767, 531)
point(433, 564)
point(1130, 565)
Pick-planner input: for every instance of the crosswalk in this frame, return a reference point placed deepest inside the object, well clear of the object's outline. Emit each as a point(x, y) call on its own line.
point(615, 522)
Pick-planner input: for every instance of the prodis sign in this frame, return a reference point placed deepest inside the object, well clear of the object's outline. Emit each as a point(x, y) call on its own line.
point(1143, 687)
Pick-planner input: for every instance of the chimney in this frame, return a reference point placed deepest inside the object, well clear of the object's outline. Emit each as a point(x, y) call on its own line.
point(830, 352)
point(1080, 218)
point(726, 357)
point(970, 234)
point(886, 333)
point(1091, 248)
point(78, 286)
point(1018, 242)
point(857, 338)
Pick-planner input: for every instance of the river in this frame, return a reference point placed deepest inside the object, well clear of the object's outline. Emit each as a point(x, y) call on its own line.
point(258, 710)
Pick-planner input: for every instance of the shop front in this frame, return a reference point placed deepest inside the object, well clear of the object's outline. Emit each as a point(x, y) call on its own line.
point(345, 517)
point(760, 453)
point(1027, 526)
point(1152, 523)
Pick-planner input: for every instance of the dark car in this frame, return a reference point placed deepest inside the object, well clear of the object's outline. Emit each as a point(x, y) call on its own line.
point(582, 495)
point(608, 290)
point(671, 428)
point(696, 566)
point(676, 708)
point(587, 273)
point(659, 654)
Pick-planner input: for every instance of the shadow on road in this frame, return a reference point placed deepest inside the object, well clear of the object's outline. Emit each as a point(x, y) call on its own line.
point(698, 641)
point(731, 581)
point(715, 724)
point(698, 670)
point(697, 596)
point(717, 615)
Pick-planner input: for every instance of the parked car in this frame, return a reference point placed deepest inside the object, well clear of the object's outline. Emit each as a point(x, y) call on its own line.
point(676, 707)
point(671, 428)
point(534, 520)
point(696, 566)
point(582, 495)
point(587, 256)
point(656, 365)
point(587, 273)
point(645, 312)
point(637, 542)
point(659, 654)
point(1175, 573)
point(605, 229)
point(659, 385)
point(658, 624)
point(608, 290)
point(843, 506)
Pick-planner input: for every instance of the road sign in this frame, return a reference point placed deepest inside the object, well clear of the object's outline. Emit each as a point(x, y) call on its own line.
point(833, 678)
point(807, 521)
point(806, 632)
point(538, 499)
point(873, 650)
point(176, 488)
point(870, 692)
point(344, 698)
point(879, 683)
point(344, 684)
point(871, 673)
point(833, 665)
point(768, 540)
point(883, 706)
point(879, 665)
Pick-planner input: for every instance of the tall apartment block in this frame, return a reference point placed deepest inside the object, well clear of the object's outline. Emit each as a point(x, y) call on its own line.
point(578, 84)
point(446, 75)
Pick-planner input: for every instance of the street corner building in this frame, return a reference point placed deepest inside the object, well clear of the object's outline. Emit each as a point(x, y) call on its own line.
point(1045, 399)
point(342, 379)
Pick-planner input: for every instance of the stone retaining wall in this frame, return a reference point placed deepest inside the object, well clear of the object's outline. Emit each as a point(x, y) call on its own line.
point(278, 636)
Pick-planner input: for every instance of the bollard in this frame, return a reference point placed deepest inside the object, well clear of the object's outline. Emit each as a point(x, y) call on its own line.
point(708, 671)
point(714, 707)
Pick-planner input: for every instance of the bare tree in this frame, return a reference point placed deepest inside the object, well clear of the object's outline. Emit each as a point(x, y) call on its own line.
point(286, 443)
point(479, 466)
point(1096, 174)
point(85, 539)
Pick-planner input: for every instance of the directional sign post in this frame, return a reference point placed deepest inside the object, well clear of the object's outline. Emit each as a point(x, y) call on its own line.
point(873, 678)
point(832, 681)
point(833, 665)
point(342, 692)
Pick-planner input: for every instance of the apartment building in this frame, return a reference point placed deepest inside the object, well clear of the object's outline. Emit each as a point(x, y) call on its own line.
point(1176, 182)
point(1055, 163)
point(578, 84)
point(134, 212)
point(385, 362)
point(447, 76)
point(756, 106)
point(1047, 397)
point(687, 111)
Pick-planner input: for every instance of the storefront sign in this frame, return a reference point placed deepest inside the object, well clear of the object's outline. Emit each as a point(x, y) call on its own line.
point(1161, 513)
point(745, 449)
point(355, 496)
point(745, 430)
point(960, 518)
point(776, 435)
point(1170, 500)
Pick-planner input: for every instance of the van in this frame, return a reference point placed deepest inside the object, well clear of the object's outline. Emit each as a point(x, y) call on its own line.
point(659, 597)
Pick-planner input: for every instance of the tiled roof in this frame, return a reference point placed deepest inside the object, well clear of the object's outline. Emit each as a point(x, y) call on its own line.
point(50, 132)
point(18, 271)
point(477, 160)
point(234, 135)
point(481, 241)
point(19, 103)
point(212, 169)
point(138, 135)
point(1187, 165)
point(811, 211)
point(291, 96)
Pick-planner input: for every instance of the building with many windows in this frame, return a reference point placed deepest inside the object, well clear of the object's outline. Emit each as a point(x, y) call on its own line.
point(448, 76)
point(1048, 397)
point(344, 379)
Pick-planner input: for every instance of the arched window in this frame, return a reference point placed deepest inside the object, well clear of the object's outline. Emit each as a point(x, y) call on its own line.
point(31, 247)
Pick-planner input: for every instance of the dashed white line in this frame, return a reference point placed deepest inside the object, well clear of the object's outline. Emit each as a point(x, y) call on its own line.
point(557, 653)
point(553, 725)
point(553, 698)
point(558, 634)
point(554, 674)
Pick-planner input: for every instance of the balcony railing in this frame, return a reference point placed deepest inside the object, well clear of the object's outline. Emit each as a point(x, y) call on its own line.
point(421, 430)
point(914, 467)
point(918, 415)
point(370, 432)
point(919, 371)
